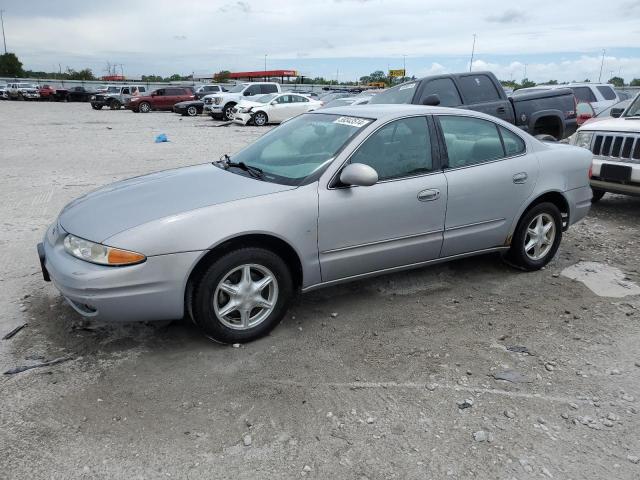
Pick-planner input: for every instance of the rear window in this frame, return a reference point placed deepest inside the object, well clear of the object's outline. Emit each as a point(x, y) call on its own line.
point(583, 94)
point(445, 89)
point(268, 88)
point(400, 94)
point(607, 93)
point(478, 89)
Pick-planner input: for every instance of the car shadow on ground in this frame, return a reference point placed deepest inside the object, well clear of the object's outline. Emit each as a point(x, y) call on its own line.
point(55, 327)
point(620, 206)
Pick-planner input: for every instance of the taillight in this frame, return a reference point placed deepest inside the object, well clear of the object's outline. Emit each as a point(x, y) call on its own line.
point(590, 171)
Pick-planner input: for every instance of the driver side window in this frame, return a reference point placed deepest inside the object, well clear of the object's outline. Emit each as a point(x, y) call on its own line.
point(399, 149)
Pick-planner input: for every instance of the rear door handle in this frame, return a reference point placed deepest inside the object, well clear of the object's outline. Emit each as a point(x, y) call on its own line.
point(520, 177)
point(429, 195)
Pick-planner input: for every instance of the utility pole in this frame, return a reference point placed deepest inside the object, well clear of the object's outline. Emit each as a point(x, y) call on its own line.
point(601, 65)
point(3, 37)
point(404, 67)
point(525, 71)
point(473, 50)
point(265, 67)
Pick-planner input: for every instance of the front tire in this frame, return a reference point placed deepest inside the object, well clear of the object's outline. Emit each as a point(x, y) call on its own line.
point(192, 111)
point(260, 119)
point(242, 296)
point(537, 237)
point(144, 107)
point(597, 195)
point(226, 111)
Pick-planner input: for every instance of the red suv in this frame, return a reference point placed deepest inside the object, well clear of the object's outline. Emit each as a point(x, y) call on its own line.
point(160, 99)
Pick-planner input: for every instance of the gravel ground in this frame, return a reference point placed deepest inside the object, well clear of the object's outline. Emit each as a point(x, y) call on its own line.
point(399, 384)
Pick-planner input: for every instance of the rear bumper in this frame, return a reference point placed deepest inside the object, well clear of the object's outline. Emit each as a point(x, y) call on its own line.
point(613, 187)
point(153, 290)
point(579, 200)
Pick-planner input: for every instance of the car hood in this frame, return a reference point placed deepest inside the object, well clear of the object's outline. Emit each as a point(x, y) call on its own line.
point(613, 125)
point(188, 102)
point(120, 206)
point(249, 103)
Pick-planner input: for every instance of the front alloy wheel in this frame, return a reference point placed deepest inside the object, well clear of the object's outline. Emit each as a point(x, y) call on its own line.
point(192, 111)
point(260, 119)
point(228, 112)
point(144, 107)
point(541, 233)
point(242, 295)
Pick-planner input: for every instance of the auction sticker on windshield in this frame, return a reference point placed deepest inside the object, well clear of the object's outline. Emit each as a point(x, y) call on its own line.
point(352, 121)
point(405, 87)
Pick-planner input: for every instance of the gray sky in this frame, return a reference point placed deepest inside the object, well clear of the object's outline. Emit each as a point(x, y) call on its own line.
point(344, 38)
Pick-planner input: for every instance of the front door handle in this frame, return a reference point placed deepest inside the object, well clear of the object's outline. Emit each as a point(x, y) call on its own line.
point(500, 110)
point(520, 177)
point(429, 195)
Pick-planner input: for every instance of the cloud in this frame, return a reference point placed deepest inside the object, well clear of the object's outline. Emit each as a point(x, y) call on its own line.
point(179, 37)
point(243, 7)
point(508, 16)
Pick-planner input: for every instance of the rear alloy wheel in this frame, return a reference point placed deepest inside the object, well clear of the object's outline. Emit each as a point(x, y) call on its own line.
point(192, 111)
point(260, 119)
point(96, 107)
point(537, 237)
point(597, 195)
point(144, 107)
point(242, 296)
point(115, 105)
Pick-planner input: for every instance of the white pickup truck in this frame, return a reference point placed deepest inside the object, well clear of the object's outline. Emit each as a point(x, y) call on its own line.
point(219, 105)
point(615, 144)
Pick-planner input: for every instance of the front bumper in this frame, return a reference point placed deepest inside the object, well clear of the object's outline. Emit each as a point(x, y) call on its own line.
point(213, 109)
point(242, 118)
point(30, 95)
point(153, 290)
point(631, 187)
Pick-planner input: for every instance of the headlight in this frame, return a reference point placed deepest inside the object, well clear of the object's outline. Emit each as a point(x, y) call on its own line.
point(217, 100)
point(100, 254)
point(583, 139)
point(246, 109)
point(93, 97)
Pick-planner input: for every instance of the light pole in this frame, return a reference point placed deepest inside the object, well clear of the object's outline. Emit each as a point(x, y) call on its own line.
point(265, 67)
point(3, 37)
point(601, 65)
point(473, 50)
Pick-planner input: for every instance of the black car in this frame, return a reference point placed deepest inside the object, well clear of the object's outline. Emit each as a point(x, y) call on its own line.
point(79, 94)
point(189, 108)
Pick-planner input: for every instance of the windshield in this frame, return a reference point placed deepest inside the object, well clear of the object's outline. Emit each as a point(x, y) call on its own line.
point(266, 98)
point(634, 108)
point(301, 147)
point(237, 88)
point(113, 90)
point(400, 94)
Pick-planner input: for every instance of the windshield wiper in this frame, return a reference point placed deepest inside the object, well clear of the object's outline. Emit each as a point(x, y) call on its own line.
point(255, 172)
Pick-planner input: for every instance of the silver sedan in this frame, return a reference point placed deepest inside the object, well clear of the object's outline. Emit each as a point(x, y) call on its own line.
point(328, 197)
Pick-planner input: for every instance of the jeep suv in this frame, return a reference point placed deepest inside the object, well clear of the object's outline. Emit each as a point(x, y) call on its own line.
point(116, 96)
point(160, 99)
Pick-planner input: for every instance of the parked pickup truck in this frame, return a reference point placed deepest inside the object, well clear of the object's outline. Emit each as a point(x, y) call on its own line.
point(544, 114)
point(615, 145)
point(22, 91)
point(220, 105)
point(116, 96)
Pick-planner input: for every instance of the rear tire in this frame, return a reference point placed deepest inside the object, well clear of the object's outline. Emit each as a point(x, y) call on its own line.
point(537, 237)
point(96, 107)
point(597, 195)
point(230, 303)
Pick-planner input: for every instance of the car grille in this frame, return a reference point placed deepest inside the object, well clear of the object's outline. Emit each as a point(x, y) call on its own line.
point(208, 101)
point(622, 146)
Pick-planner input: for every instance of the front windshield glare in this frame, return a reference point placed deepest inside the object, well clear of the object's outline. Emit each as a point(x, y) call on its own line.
point(301, 147)
point(237, 88)
point(112, 90)
point(400, 94)
point(266, 98)
point(634, 108)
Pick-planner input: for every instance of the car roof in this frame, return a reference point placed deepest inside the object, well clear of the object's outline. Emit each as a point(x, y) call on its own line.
point(384, 112)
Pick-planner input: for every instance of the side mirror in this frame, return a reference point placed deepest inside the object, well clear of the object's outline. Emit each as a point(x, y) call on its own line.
point(584, 112)
point(274, 102)
point(358, 174)
point(432, 100)
point(246, 93)
point(616, 112)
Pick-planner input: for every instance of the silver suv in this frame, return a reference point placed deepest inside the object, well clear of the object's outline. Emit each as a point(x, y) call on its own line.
point(116, 96)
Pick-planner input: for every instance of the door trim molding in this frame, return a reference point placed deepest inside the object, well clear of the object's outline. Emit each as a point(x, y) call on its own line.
point(401, 268)
point(378, 242)
point(458, 227)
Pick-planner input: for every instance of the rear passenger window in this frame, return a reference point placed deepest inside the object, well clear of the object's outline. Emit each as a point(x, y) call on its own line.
point(446, 91)
point(470, 141)
point(583, 94)
point(478, 89)
point(607, 93)
point(399, 149)
point(513, 144)
point(269, 88)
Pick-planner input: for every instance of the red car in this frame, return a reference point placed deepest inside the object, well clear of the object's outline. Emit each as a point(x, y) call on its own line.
point(47, 92)
point(160, 99)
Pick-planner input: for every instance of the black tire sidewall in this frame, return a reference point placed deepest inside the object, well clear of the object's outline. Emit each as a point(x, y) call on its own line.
point(144, 110)
point(189, 109)
point(597, 195)
point(228, 106)
point(517, 255)
point(202, 308)
point(257, 115)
